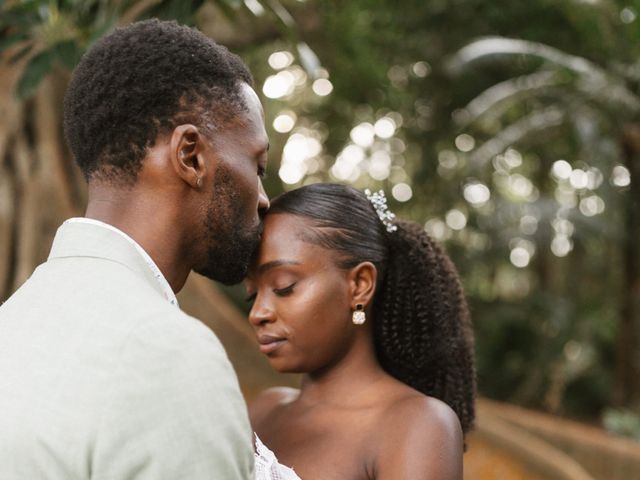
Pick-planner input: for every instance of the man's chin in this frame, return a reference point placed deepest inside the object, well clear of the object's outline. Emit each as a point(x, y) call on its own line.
point(229, 265)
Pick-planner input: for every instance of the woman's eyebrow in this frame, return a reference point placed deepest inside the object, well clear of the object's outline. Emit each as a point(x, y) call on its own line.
point(275, 263)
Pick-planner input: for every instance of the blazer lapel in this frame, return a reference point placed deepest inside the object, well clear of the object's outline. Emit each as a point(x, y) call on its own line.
point(94, 241)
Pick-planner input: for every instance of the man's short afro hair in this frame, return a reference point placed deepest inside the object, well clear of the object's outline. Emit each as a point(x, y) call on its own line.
point(141, 81)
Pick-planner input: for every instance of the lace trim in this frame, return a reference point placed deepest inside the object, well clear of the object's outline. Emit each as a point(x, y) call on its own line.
point(267, 466)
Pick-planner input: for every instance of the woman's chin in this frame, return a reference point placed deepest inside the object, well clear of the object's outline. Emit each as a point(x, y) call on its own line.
point(281, 365)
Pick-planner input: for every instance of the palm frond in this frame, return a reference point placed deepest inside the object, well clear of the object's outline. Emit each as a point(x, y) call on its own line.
point(526, 127)
point(501, 95)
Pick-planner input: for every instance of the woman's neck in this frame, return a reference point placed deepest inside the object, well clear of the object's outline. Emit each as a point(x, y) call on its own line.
point(351, 380)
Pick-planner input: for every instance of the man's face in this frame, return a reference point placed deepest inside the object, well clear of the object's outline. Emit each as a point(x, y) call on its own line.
point(232, 221)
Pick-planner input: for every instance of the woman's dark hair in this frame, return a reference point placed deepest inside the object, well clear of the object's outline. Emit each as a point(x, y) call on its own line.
point(421, 325)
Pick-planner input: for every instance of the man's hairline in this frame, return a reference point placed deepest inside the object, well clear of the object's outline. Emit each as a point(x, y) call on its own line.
point(122, 178)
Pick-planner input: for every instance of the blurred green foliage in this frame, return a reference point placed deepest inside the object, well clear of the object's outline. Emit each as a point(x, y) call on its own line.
point(624, 422)
point(509, 124)
point(507, 128)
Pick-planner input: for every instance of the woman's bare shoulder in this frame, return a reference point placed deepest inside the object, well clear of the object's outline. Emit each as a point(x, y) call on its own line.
point(425, 412)
point(268, 400)
point(428, 433)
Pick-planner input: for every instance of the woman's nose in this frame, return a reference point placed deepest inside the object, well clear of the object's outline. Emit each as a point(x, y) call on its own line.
point(261, 313)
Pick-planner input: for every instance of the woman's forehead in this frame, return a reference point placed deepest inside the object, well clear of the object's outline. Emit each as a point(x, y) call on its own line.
point(279, 227)
point(286, 238)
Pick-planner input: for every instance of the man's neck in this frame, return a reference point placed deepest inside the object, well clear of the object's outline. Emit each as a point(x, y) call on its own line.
point(142, 220)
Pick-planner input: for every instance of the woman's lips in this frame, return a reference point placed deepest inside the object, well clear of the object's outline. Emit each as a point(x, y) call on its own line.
point(270, 343)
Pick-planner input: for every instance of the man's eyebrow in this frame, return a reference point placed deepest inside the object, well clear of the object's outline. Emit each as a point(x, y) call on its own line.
point(275, 263)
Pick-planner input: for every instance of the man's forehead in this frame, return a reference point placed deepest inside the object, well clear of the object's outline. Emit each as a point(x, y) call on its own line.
point(253, 118)
point(250, 93)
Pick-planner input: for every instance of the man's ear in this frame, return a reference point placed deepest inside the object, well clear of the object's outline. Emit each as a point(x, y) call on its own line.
point(362, 283)
point(187, 143)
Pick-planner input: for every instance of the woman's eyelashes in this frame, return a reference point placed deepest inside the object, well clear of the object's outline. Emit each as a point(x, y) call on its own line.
point(280, 292)
point(283, 292)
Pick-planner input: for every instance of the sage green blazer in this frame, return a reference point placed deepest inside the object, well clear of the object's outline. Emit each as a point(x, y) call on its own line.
point(102, 378)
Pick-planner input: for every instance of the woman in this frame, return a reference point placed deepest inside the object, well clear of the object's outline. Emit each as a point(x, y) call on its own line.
point(371, 312)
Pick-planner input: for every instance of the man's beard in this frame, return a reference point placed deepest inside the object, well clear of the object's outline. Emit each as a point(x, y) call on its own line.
point(230, 244)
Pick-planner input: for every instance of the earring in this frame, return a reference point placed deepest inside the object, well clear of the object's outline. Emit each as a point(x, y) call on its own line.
point(198, 182)
point(358, 317)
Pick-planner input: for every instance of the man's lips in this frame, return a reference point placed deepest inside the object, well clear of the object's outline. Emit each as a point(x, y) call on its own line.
point(270, 343)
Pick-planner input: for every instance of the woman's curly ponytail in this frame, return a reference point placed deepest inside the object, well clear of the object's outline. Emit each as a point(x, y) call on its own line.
point(422, 327)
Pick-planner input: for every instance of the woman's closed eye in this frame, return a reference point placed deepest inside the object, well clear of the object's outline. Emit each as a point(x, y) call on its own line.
point(283, 292)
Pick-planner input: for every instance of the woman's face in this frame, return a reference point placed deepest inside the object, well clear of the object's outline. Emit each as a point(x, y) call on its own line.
point(302, 305)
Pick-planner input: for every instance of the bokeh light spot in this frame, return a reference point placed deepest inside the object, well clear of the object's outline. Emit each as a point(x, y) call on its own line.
point(520, 257)
point(561, 170)
point(280, 60)
point(284, 122)
point(455, 219)
point(322, 87)
point(402, 192)
point(465, 142)
point(477, 193)
point(385, 127)
point(620, 176)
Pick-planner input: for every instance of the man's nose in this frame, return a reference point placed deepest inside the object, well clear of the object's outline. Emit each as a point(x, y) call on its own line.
point(263, 199)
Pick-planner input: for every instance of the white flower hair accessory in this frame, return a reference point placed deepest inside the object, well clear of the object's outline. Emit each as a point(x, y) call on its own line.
point(379, 202)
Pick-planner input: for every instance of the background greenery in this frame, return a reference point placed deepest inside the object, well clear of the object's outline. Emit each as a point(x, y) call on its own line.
point(509, 129)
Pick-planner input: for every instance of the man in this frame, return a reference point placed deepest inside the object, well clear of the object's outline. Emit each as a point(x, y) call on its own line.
point(101, 375)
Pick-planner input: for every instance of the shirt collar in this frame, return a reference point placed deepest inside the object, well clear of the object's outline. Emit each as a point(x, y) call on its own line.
point(87, 237)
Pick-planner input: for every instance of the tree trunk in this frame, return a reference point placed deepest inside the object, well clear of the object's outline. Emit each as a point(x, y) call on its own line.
point(627, 375)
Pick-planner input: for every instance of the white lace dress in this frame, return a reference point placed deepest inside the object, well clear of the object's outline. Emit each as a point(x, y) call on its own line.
point(267, 466)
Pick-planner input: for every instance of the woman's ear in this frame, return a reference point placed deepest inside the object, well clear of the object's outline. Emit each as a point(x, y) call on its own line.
point(186, 145)
point(362, 284)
